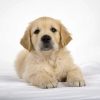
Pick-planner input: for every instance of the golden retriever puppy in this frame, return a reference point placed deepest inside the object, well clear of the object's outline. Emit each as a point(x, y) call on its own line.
point(45, 61)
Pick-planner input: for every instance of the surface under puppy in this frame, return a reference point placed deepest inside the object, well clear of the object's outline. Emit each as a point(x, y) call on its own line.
point(45, 61)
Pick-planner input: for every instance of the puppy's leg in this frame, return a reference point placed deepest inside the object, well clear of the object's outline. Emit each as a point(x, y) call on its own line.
point(41, 78)
point(75, 78)
point(19, 63)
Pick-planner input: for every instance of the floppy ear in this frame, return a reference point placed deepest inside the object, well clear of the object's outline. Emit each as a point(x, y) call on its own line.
point(65, 37)
point(26, 40)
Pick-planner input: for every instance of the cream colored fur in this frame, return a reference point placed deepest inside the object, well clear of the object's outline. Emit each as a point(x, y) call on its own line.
point(46, 68)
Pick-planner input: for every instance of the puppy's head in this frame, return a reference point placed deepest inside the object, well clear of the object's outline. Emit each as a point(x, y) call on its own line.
point(45, 34)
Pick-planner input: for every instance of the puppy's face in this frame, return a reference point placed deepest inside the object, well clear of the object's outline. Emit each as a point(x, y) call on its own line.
point(45, 34)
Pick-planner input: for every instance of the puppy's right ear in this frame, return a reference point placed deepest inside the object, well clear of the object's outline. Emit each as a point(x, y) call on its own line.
point(26, 40)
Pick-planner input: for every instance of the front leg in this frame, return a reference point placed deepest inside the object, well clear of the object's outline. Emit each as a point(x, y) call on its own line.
point(67, 69)
point(75, 78)
point(41, 76)
point(43, 80)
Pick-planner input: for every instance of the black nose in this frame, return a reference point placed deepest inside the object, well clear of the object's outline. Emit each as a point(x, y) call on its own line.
point(46, 39)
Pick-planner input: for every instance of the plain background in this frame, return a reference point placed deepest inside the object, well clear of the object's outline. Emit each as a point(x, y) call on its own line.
point(81, 17)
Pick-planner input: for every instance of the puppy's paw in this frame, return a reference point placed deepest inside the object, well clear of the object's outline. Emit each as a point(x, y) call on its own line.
point(44, 81)
point(75, 79)
point(76, 82)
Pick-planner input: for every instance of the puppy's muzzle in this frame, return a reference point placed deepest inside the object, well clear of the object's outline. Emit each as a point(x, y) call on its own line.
point(46, 42)
point(46, 39)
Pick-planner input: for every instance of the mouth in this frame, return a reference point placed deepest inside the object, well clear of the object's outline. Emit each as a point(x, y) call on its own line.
point(46, 47)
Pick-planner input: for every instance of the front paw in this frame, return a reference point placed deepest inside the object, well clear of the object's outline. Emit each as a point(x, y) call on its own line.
point(75, 80)
point(44, 81)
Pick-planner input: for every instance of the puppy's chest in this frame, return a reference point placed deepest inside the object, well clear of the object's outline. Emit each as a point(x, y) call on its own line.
point(56, 60)
point(50, 60)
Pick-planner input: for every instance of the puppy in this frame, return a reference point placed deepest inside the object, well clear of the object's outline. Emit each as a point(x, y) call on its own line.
point(45, 61)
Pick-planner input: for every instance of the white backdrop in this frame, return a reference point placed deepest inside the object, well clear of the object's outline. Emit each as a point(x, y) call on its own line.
point(81, 17)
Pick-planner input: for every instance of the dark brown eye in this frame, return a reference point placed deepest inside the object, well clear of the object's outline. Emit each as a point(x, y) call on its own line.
point(36, 31)
point(53, 29)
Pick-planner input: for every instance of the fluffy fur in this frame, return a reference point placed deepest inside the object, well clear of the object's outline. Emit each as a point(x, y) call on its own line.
point(45, 68)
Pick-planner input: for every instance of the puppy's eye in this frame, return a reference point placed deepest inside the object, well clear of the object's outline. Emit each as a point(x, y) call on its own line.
point(36, 31)
point(53, 29)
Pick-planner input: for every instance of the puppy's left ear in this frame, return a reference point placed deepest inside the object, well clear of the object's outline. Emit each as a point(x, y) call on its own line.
point(65, 36)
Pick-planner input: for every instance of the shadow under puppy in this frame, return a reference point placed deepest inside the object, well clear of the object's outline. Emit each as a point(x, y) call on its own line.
point(44, 62)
